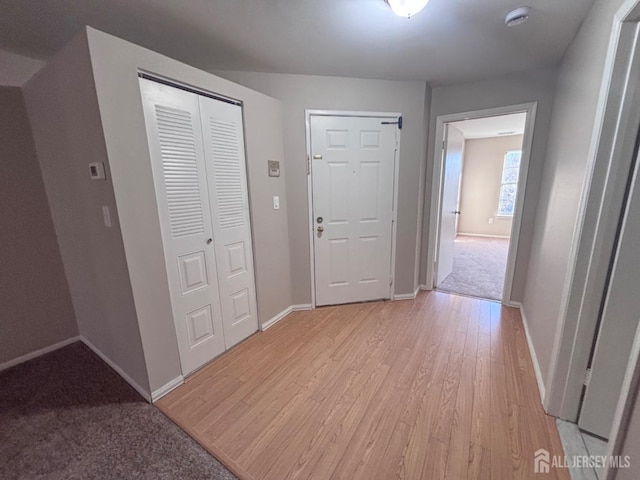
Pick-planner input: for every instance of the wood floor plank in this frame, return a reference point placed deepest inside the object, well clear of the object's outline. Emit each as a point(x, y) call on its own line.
point(413, 456)
point(323, 454)
point(239, 436)
point(439, 387)
point(460, 442)
point(481, 417)
point(501, 465)
point(479, 463)
point(390, 465)
point(436, 458)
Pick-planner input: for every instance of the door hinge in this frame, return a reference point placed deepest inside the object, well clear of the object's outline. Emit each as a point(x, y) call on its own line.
point(308, 165)
point(390, 280)
point(397, 122)
point(587, 377)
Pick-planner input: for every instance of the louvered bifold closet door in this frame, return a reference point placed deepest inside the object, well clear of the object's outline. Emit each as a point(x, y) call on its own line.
point(227, 177)
point(178, 162)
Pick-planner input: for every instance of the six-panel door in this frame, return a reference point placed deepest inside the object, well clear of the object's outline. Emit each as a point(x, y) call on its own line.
point(353, 160)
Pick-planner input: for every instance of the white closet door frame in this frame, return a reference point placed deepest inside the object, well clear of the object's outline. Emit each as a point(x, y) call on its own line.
point(342, 113)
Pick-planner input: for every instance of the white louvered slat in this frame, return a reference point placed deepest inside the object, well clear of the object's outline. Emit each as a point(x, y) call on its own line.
point(228, 179)
point(177, 147)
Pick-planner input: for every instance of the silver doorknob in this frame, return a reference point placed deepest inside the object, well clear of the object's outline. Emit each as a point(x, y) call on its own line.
point(209, 240)
point(456, 212)
point(320, 229)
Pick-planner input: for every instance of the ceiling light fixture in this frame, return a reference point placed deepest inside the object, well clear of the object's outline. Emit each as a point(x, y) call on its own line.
point(517, 17)
point(407, 8)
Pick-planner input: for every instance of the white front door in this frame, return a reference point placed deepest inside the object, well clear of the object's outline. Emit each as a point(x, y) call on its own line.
point(454, 146)
point(353, 166)
point(227, 178)
point(175, 140)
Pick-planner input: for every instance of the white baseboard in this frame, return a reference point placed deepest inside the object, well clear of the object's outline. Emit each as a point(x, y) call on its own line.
point(118, 370)
point(301, 307)
point(424, 287)
point(276, 318)
point(162, 391)
point(532, 352)
point(279, 316)
point(406, 296)
point(38, 353)
point(482, 235)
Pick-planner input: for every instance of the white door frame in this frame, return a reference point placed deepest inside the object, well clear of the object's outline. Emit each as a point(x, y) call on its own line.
point(612, 145)
point(342, 113)
point(610, 157)
point(436, 187)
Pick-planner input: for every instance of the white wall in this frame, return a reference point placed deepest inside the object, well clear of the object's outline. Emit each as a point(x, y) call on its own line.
point(564, 177)
point(63, 111)
point(536, 86)
point(481, 182)
point(300, 92)
point(115, 65)
point(16, 69)
point(36, 304)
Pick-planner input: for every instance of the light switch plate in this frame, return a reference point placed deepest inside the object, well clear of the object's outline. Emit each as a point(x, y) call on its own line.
point(106, 216)
point(276, 203)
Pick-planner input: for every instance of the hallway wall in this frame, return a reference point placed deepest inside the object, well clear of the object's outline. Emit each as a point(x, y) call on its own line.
point(300, 92)
point(574, 127)
point(36, 305)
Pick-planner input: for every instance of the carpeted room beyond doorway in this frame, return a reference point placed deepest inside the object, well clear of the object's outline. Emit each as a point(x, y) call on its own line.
point(479, 265)
point(67, 415)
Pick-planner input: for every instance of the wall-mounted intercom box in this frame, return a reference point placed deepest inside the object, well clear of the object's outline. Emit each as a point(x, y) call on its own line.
point(274, 168)
point(97, 172)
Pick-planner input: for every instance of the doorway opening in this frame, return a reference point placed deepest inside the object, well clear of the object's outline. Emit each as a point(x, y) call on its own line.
point(477, 202)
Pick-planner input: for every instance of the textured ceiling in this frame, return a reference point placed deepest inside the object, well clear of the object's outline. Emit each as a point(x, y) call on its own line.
point(450, 41)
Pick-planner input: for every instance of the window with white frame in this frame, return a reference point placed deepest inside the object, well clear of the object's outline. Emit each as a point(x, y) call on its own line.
point(509, 186)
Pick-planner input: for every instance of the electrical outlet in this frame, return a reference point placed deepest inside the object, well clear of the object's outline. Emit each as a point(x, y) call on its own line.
point(491, 221)
point(276, 203)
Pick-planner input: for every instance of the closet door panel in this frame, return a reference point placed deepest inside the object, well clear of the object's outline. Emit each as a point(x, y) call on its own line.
point(174, 133)
point(228, 191)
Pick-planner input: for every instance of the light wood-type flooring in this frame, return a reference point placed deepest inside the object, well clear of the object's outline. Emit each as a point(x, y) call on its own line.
point(433, 388)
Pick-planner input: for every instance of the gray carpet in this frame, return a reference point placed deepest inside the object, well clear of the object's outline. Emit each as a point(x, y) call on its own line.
point(479, 266)
point(67, 415)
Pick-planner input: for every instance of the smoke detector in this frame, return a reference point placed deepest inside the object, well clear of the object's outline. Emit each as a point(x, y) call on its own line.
point(517, 17)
